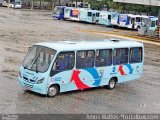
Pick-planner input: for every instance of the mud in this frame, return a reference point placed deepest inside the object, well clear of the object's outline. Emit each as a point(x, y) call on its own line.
point(19, 29)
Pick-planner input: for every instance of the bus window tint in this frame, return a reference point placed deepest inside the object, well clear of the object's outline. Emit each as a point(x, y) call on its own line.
point(120, 56)
point(65, 61)
point(138, 19)
point(135, 55)
point(153, 23)
point(85, 59)
point(97, 14)
point(89, 14)
point(103, 58)
point(157, 22)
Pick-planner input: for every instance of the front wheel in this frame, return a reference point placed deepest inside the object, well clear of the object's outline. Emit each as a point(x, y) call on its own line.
point(53, 91)
point(111, 84)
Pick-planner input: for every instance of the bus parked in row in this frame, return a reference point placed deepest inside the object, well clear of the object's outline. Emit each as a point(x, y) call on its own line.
point(12, 4)
point(58, 12)
point(52, 68)
point(150, 22)
point(67, 13)
point(129, 21)
point(89, 16)
point(75, 14)
point(108, 18)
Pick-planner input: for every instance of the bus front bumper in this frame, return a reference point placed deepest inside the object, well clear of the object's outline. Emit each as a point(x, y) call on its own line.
point(38, 88)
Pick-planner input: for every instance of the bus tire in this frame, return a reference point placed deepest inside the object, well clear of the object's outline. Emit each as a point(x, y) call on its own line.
point(112, 84)
point(53, 91)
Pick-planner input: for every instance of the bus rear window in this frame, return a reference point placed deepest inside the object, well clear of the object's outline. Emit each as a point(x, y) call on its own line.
point(135, 55)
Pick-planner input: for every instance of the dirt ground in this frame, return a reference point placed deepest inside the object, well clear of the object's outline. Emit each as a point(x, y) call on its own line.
point(19, 29)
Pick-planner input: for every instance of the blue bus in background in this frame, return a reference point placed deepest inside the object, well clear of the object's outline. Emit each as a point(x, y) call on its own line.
point(58, 12)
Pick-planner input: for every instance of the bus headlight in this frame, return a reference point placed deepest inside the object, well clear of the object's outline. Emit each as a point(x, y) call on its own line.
point(40, 81)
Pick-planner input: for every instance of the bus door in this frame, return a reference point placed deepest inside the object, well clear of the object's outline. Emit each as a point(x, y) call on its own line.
point(93, 17)
point(62, 68)
point(133, 22)
point(109, 18)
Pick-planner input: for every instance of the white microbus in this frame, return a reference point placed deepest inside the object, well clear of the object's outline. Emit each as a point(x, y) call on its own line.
point(52, 68)
point(129, 21)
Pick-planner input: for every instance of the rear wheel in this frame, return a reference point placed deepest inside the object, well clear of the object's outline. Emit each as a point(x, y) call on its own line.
point(112, 84)
point(53, 91)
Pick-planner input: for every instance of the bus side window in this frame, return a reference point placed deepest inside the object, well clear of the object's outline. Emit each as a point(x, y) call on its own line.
point(157, 22)
point(153, 23)
point(85, 59)
point(120, 56)
point(103, 58)
point(135, 55)
point(97, 14)
point(89, 14)
point(64, 61)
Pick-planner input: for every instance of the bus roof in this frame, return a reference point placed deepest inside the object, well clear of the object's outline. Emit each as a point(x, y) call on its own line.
point(89, 45)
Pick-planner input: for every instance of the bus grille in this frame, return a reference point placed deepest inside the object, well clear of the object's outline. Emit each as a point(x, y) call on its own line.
point(29, 80)
point(28, 86)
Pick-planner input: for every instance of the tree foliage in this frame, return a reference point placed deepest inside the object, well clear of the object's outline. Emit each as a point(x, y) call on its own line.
point(124, 7)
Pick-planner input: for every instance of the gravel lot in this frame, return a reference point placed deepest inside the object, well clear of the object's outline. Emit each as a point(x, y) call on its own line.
point(20, 29)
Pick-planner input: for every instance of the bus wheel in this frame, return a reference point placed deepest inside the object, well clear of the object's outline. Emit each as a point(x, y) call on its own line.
point(111, 84)
point(53, 91)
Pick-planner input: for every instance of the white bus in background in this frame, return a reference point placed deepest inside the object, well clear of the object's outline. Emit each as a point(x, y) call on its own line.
point(13, 3)
point(129, 21)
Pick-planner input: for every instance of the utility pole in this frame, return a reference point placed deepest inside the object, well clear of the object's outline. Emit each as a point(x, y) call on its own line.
point(72, 3)
point(53, 5)
point(84, 1)
point(9, 3)
point(159, 22)
point(32, 5)
point(76, 3)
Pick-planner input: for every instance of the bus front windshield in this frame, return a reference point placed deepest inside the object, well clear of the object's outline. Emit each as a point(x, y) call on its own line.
point(38, 58)
point(57, 10)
